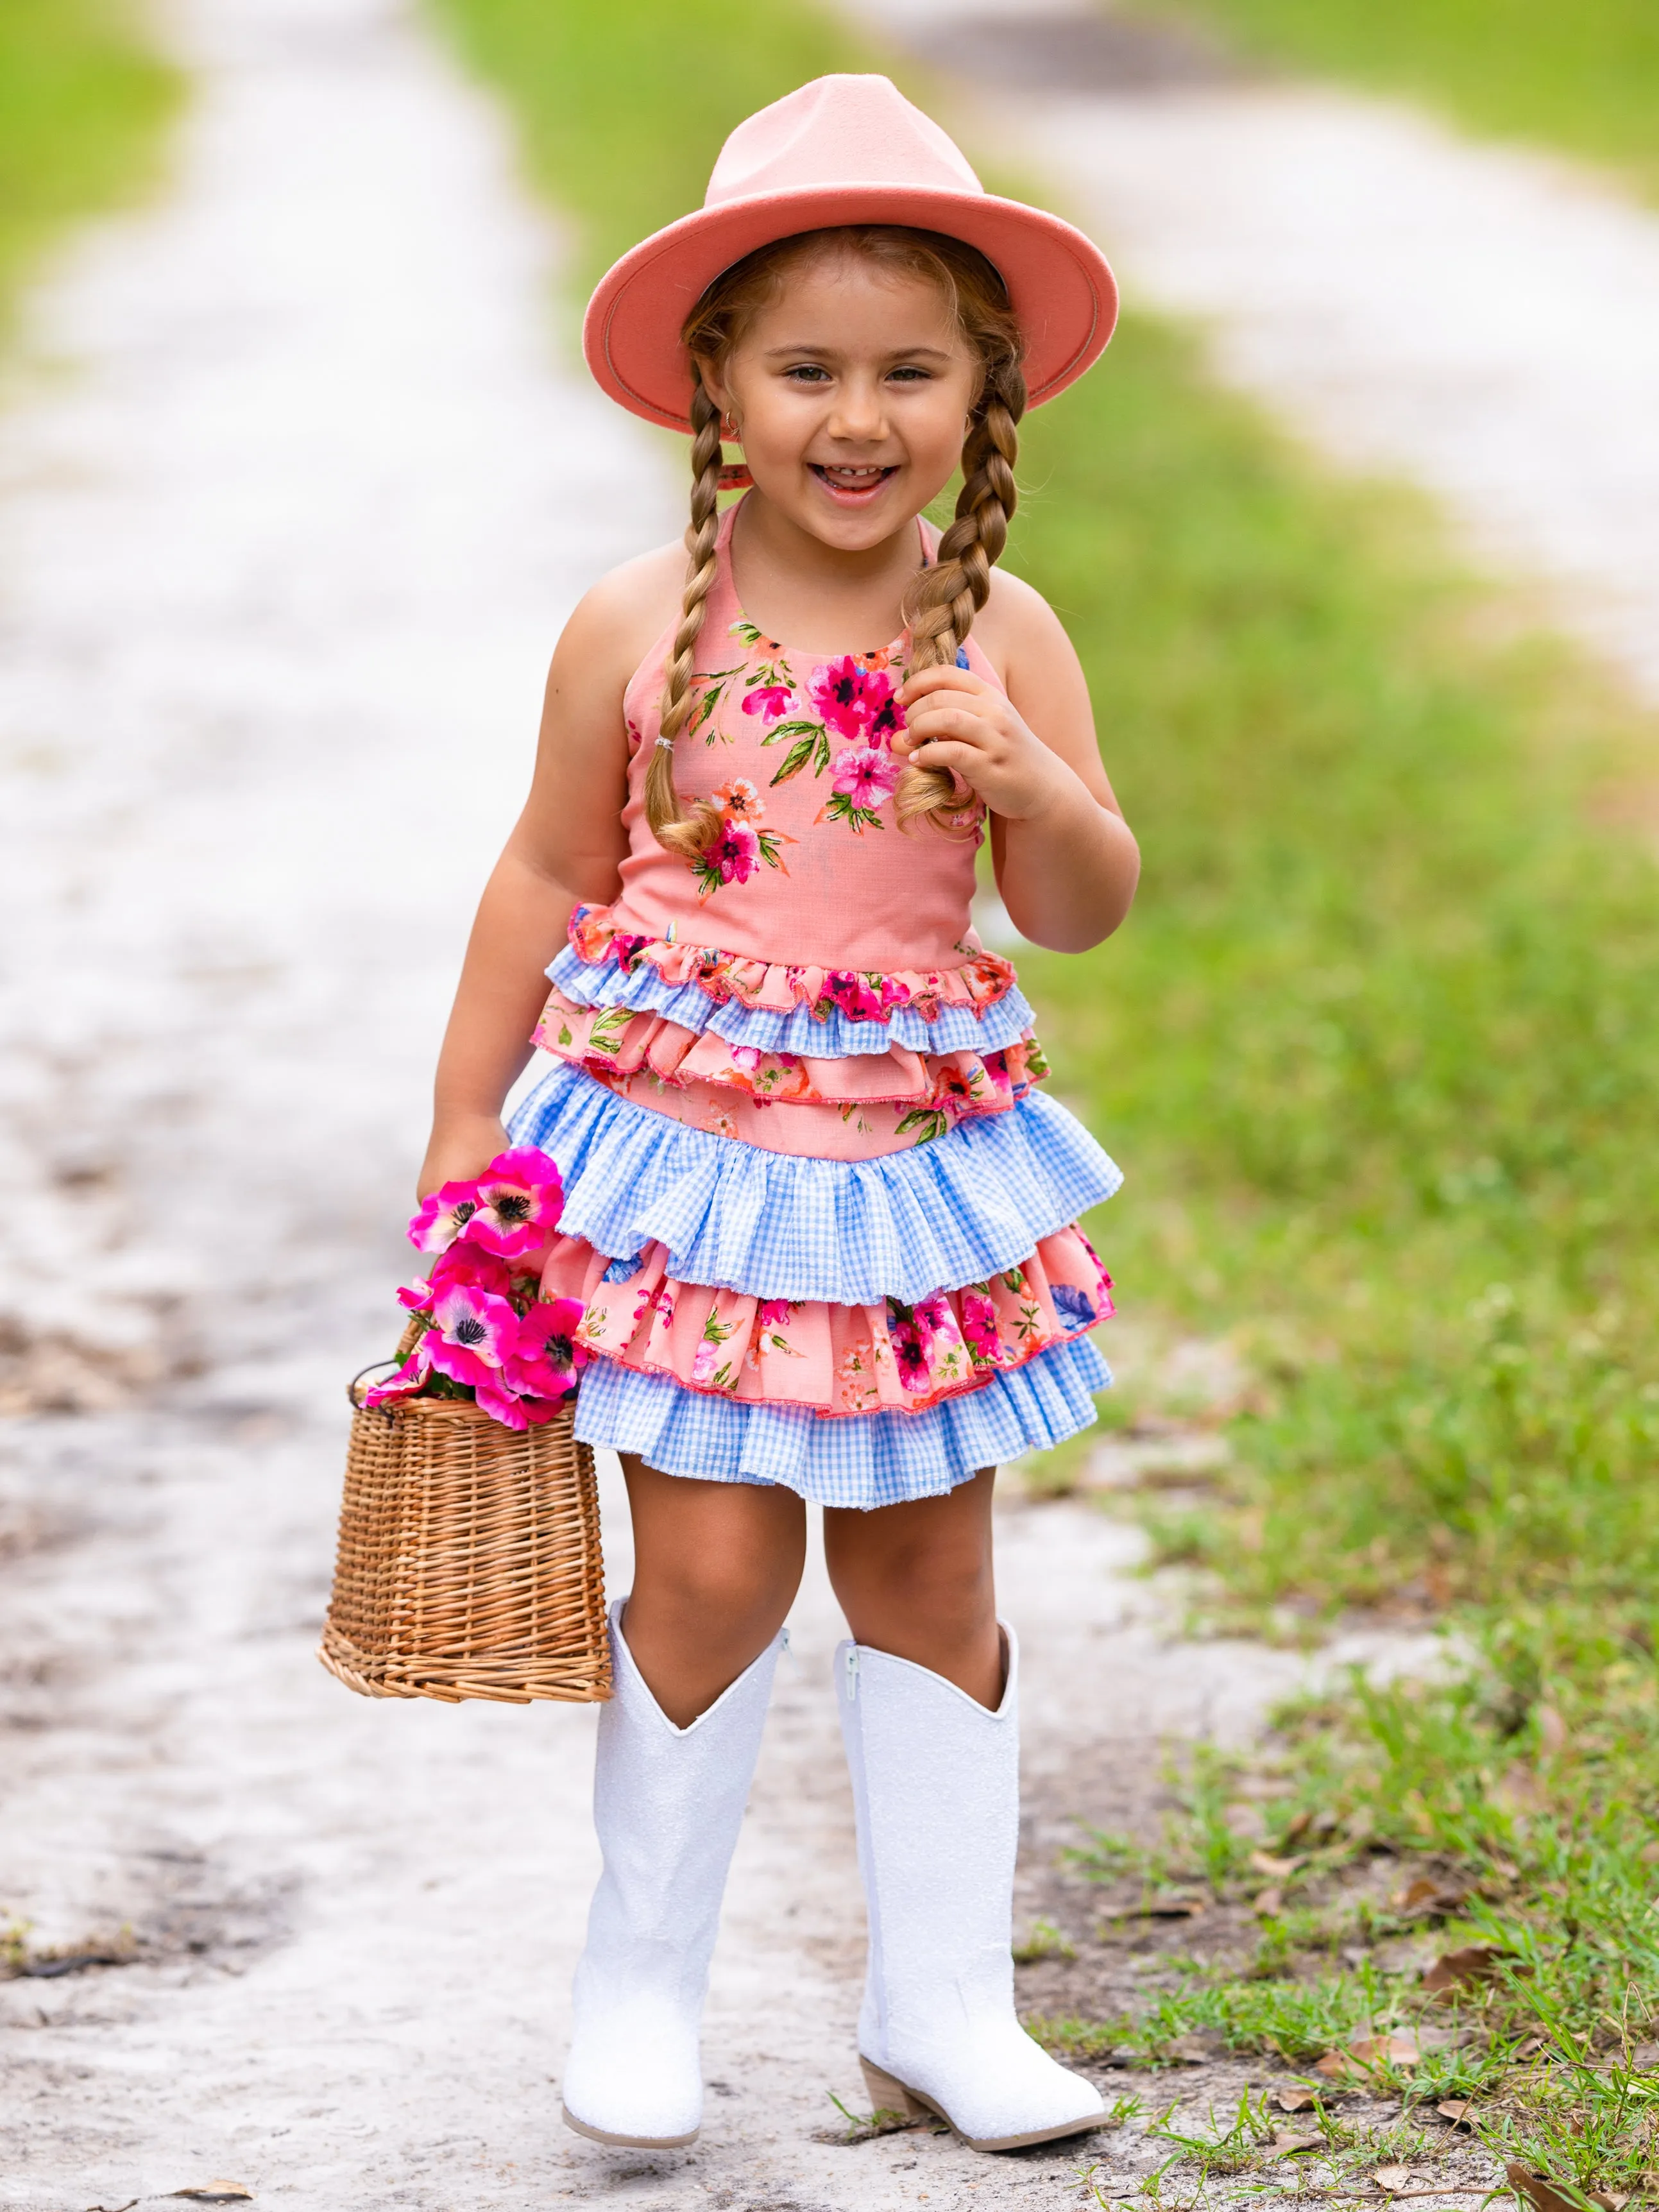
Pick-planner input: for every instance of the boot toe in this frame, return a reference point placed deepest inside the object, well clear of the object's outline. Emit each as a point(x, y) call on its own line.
point(1003, 2091)
point(633, 2086)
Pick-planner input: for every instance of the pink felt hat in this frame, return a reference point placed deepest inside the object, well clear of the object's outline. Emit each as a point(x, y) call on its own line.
point(842, 150)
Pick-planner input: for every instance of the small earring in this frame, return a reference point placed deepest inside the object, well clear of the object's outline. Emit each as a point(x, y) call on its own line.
point(728, 429)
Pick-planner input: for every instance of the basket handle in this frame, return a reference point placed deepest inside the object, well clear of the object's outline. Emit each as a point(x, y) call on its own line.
point(406, 1344)
point(373, 1367)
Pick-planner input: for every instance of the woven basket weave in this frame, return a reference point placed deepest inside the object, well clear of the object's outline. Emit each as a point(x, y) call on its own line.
point(469, 1560)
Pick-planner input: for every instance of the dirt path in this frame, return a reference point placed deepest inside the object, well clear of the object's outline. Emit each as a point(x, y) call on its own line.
point(1483, 321)
point(293, 498)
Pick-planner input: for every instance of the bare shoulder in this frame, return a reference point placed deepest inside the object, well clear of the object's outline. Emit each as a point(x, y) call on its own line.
point(1018, 627)
point(617, 621)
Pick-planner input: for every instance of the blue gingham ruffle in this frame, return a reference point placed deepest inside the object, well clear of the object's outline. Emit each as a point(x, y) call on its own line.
point(864, 1461)
point(956, 1029)
point(777, 1226)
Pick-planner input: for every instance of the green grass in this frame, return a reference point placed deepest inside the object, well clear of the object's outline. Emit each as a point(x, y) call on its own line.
point(1377, 1048)
point(1585, 78)
point(83, 107)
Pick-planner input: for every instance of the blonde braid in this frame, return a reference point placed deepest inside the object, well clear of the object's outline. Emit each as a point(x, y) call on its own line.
point(947, 595)
point(689, 834)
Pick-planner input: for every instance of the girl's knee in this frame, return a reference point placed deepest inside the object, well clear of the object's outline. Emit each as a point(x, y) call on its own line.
point(942, 1585)
point(717, 1597)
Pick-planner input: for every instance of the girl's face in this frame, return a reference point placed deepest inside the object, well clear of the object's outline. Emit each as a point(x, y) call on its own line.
point(851, 393)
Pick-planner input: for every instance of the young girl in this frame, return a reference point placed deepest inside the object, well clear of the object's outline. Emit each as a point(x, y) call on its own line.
point(821, 1220)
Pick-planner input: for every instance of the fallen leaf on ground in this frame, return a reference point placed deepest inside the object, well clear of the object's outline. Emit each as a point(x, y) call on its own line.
point(1269, 1905)
point(1645, 2058)
point(1297, 1826)
point(1547, 2198)
point(1288, 2146)
point(1275, 1869)
point(1530, 2048)
point(1430, 1894)
point(1455, 2109)
point(127, 2207)
point(1392, 2177)
point(1189, 2049)
point(1368, 2052)
point(1298, 2101)
point(216, 2193)
point(1462, 1970)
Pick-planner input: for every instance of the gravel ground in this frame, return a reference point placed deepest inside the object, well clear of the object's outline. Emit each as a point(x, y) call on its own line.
point(294, 496)
point(1482, 320)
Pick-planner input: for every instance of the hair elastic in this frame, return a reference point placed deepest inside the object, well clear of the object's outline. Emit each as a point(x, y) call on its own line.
point(667, 743)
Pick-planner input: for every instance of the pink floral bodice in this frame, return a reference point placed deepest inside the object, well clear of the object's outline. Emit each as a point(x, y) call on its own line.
point(795, 749)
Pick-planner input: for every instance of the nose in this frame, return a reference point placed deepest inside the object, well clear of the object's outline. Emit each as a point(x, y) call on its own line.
point(860, 414)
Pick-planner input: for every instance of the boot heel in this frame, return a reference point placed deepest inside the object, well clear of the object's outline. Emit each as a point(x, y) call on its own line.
point(887, 2095)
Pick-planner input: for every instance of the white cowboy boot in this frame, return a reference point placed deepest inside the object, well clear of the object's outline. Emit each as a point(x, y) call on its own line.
point(667, 1804)
point(936, 1789)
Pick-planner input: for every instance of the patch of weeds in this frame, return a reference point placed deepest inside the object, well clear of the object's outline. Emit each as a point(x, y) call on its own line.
point(1044, 1941)
point(866, 2127)
point(1078, 2042)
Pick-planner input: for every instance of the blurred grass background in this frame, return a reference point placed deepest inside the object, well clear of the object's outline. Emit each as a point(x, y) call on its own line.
point(84, 103)
point(1584, 76)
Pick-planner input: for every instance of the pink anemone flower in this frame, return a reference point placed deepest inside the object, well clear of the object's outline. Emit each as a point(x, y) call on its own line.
point(513, 1411)
point(443, 1217)
point(519, 1200)
point(865, 773)
point(470, 1333)
point(464, 1262)
point(409, 1378)
point(544, 1357)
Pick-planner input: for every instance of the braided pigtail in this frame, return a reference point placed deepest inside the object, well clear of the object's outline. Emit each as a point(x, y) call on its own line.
point(947, 595)
point(689, 834)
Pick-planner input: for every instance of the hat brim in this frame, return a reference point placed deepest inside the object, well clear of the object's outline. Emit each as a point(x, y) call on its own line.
point(1060, 285)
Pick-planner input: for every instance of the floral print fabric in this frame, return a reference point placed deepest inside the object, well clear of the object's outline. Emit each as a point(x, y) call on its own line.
point(597, 938)
point(840, 1361)
point(849, 1109)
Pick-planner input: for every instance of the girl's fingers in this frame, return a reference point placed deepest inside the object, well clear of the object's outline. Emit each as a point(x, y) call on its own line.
point(944, 722)
point(947, 678)
point(963, 759)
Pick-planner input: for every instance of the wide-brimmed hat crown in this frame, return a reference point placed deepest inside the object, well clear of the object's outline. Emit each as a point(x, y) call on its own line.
point(842, 150)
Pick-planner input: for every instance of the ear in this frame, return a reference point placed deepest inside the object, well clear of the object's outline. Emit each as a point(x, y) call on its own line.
point(713, 384)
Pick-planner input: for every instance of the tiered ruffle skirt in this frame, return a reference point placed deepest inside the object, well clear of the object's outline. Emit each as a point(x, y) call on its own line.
point(830, 1244)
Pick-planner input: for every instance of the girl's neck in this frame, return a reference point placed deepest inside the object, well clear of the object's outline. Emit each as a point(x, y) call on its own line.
point(815, 597)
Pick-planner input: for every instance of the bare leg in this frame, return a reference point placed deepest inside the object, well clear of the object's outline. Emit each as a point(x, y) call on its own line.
point(916, 1580)
point(716, 1566)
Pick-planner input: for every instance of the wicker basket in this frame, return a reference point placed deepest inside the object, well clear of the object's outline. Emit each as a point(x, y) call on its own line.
point(469, 1562)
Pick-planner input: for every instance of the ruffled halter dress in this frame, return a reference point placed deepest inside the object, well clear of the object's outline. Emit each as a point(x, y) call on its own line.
point(821, 1221)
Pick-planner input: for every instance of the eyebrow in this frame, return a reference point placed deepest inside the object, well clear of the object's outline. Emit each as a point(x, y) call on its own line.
point(822, 353)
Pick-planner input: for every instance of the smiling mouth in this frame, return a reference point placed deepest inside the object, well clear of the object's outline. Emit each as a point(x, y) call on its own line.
point(852, 483)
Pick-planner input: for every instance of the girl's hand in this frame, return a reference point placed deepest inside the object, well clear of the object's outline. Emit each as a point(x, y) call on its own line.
point(955, 720)
point(462, 1147)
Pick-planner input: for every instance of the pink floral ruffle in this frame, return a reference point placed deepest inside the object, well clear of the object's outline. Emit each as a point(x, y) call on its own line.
point(985, 977)
point(616, 1044)
point(838, 1361)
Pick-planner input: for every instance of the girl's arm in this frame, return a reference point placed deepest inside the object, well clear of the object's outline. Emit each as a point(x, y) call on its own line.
point(565, 849)
point(1066, 864)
